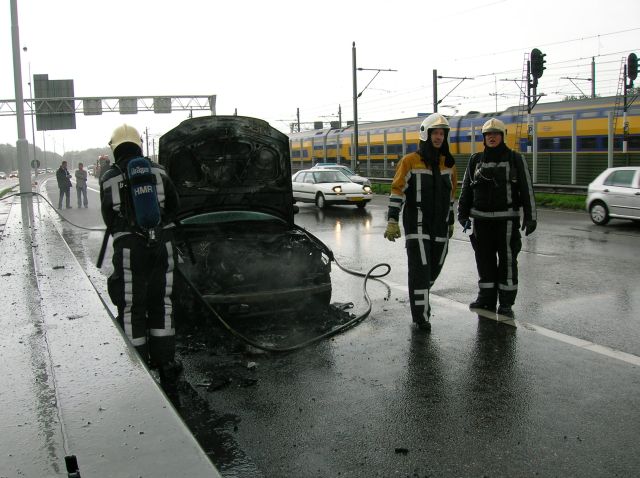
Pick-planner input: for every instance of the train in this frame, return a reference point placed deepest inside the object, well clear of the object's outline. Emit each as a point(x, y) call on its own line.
point(392, 139)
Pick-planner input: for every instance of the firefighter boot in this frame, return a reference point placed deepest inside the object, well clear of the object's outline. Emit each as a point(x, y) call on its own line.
point(170, 373)
point(482, 304)
point(506, 311)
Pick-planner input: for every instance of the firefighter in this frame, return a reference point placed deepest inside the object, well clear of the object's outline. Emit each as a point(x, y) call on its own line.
point(143, 275)
point(423, 189)
point(496, 185)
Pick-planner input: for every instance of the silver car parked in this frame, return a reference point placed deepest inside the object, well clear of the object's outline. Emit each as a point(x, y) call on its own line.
point(615, 193)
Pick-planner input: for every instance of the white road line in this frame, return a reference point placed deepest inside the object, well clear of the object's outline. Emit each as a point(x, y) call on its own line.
point(560, 337)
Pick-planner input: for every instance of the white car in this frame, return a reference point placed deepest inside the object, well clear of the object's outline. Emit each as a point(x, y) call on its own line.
point(326, 187)
point(615, 193)
point(348, 172)
point(3, 175)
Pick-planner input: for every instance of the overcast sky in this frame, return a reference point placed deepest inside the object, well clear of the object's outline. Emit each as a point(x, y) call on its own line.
point(267, 58)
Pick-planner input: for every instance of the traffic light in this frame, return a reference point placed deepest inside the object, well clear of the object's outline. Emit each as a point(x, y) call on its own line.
point(537, 63)
point(632, 66)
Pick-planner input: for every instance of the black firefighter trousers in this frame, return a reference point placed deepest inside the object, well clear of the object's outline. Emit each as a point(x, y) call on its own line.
point(425, 260)
point(496, 244)
point(141, 287)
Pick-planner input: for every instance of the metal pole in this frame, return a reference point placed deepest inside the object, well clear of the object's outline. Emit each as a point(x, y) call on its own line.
point(610, 141)
point(298, 118)
point(593, 77)
point(21, 144)
point(354, 156)
point(435, 91)
point(368, 153)
point(574, 148)
point(473, 139)
point(384, 152)
point(624, 112)
point(535, 149)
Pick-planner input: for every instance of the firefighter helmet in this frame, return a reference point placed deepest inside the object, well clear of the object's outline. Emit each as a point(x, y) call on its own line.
point(433, 121)
point(125, 134)
point(494, 125)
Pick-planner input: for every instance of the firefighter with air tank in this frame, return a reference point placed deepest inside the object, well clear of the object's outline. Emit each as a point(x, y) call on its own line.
point(143, 258)
point(423, 189)
point(496, 185)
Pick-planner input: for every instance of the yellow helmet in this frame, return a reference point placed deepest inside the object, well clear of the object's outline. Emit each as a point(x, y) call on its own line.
point(494, 125)
point(433, 121)
point(125, 134)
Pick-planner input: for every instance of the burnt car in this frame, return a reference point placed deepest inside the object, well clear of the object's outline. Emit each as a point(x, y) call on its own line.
point(236, 218)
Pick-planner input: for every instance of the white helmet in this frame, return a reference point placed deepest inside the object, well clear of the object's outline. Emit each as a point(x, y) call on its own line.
point(494, 126)
point(125, 134)
point(433, 121)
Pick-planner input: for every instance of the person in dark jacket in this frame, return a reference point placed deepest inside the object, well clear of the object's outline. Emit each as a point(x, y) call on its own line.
point(63, 176)
point(496, 185)
point(81, 186)
point(424, 188)
point(143, 261)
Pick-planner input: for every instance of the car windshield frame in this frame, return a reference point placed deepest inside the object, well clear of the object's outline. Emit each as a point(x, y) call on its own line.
point(218, 217)
point(330, 174)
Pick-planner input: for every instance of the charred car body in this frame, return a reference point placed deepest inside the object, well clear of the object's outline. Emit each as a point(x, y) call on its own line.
point(233, 175)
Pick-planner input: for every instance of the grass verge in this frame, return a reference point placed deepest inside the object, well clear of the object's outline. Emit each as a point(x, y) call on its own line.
point(546, 200)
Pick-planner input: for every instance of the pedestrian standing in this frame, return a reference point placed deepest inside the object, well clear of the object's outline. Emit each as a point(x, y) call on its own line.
point(63, 176)
point(81, 186)
point(496, 185)
point(423, 189)
point(143, 261)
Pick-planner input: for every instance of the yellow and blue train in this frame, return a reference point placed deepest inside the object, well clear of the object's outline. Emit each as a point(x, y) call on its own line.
point(392, 139)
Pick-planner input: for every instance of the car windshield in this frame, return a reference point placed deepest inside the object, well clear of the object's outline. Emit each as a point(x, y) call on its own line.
point(330, 177)
point(228, 216)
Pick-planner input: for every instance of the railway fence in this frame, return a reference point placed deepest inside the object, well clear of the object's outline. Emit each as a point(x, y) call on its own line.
point(553, 170)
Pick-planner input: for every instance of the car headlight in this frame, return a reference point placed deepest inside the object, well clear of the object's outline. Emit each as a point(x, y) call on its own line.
point(337, 189)
point(367, 189)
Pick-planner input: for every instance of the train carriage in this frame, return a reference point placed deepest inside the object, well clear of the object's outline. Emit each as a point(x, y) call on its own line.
point(390, 140)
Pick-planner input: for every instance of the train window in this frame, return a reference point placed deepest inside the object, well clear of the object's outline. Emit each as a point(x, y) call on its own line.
point(564, 144)
point(412, 147)
point(622, 178)
point(588, 114)
point(617, 143)
point(545, 144)
point(587, 142)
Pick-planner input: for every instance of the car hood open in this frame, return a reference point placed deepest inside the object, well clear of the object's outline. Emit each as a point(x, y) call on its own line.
point(229, 163)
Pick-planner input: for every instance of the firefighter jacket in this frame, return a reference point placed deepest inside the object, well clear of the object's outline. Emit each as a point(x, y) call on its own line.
point(496, 186)
point(114, 194)
point(425, 196)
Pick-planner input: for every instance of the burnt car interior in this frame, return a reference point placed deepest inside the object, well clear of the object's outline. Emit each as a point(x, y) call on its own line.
point(233, 176)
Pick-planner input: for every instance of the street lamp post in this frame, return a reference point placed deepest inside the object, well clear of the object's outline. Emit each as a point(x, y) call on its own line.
point(356, 95)
point(21, 143)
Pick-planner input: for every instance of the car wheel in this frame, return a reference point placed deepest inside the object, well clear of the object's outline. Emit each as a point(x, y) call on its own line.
point(320, 201)
point(361, 205)
point(599, 213)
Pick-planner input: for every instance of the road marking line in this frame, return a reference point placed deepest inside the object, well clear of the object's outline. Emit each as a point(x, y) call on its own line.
point(560, 337)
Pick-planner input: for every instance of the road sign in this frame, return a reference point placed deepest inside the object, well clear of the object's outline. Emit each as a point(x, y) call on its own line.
point(35, 164)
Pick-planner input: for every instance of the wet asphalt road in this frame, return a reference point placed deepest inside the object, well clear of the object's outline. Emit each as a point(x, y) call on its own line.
point(473, 398)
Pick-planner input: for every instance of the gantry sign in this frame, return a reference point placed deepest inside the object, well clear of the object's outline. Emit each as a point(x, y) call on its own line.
point(55, 105)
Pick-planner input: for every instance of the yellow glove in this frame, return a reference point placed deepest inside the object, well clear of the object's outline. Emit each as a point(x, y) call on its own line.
point(450, 230)
point(393, 230)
